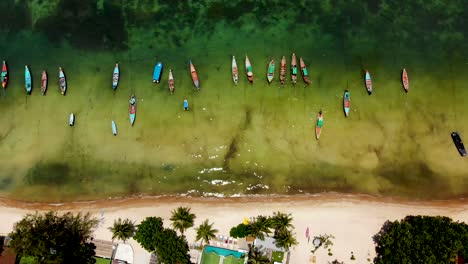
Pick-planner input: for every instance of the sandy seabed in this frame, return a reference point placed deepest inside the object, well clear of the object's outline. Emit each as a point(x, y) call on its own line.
point(352, 219)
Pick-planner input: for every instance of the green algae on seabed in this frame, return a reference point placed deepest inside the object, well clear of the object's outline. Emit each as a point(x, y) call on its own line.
point(245, 139)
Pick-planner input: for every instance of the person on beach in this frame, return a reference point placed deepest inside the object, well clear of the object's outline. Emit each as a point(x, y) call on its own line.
point(185, 105)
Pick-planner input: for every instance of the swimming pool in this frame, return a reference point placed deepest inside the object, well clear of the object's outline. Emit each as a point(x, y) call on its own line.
point(223, 252)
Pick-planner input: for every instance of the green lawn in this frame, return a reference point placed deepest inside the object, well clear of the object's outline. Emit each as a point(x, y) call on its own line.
point(102, 260)
point(210, 258)
point(277, 256)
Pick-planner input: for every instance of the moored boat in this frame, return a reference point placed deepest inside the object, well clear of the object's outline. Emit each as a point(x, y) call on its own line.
point(157, 72)
point(194, 75)
point(248, 69)
point(115, 76)
point(368, 83)
point(62, 82)
point(458, 143)
point(27, 80)
point(132, 110)
point(404, 79)
point(293, 68)
point(235, 71)
point(4, 75)
point(271, 71)
point(346, 102)
point(171, 82)
point(44, 82)
point(114, 128)
point(305, 73)
point(319, 125)
point(283, 70)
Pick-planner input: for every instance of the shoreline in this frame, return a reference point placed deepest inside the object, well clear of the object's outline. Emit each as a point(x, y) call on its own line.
point(351, 219)
point(144, 201)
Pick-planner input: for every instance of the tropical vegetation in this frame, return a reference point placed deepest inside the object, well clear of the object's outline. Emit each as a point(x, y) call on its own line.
point(55, 238)
point(164, 242)
point(122, 229)
point(257, 256)
point(182, 219)
point(421, 239)
point(205, 232)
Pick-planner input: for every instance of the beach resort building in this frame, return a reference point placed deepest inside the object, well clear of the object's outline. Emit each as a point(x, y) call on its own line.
point(274, 253)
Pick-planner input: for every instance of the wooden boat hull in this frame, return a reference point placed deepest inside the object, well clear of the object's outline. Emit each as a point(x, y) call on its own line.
point(157, 72)
point(171, 82)
point(114, 128)
point(405, 80)
point(27, 80)
point(294, 69)
point(271, 71)
point(193, 73)
point(283, 70)
point(346, 103)
point(304, 72)
point(235, 71)
point(62, 82)
point(319, 125)
point(248, 69)
point(132, 110)
point(458, 143)
point(44, 82)
point(115, 77)
point(4, 75)
point(368, 83)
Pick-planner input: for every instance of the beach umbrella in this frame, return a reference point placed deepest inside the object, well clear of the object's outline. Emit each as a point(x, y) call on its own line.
point(307, 232)
point(246, 221)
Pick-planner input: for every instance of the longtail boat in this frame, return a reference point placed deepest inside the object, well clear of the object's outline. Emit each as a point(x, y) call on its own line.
point(114, 128)
point(235, 71)
point(44, 82)
point(368, 83)
point(171, 82)
point(4, 75)
point(346, 102)
point(271, 71)
point(157, 72)
point(294, 68)
point(27, 80)
point(132, 110)
point(283, 70)
point(458, 143)
point(404, 79)
point(62, 82)
point(305, 73)
point(115, 76)
point(194, 75)
point(319, 125)
point(248, 69)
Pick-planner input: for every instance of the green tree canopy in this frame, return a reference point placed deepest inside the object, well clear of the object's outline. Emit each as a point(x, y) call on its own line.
point(286, 239)
point(257, 256)
point(281, 222)
point(168, 246)
point(240, 231)
point(122, 229)
point(421, 239)
point(53, 238)
point(205, 232)
point(260, 227)
point(182, 219)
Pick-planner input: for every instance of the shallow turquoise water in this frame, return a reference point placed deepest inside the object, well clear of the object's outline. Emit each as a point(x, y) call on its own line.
point(251, 138)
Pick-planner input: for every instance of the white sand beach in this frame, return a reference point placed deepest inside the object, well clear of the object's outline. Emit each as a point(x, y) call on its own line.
point(352, 220)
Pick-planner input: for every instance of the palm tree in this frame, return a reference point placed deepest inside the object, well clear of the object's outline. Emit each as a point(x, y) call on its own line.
point(205, 232)
point(257, 256)
point(285, 240)
point(281, 222)
point(122, 229)
point(182, 219)
point(260, 227)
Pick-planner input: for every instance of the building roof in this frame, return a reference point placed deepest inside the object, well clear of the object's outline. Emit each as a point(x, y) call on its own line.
point(124, 252)
point(7, 256)
point(268, 243)
point(104, 248)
